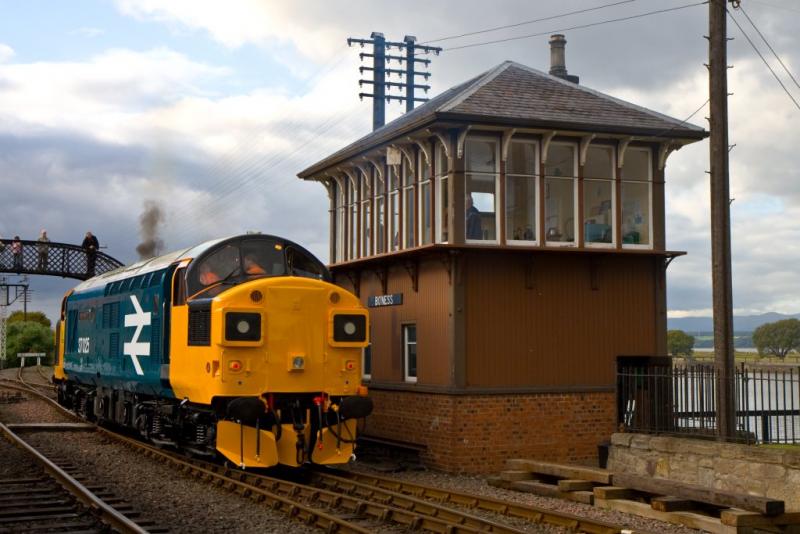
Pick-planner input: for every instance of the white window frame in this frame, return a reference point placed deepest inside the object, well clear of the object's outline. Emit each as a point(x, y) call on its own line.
point(404, 334)
point(537, 180)
point(439, 176)
point(340, 220)
point(420, 187)
point(353, 218)
point(394, 197)
point(379, 194)
point(407, 167)
point(576, 214)
point(649, 244)
point(365, 199)
point(613, 181)
point(497, 218)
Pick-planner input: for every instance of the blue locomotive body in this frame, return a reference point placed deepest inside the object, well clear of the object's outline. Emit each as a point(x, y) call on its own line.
point(115, 336)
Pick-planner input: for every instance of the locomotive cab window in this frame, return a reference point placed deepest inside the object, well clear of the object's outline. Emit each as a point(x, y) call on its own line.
point(301, 264)
point(179, 287)
point(243, 259)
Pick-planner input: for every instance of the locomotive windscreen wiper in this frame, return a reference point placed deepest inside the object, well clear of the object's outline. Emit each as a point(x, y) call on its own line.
point(227, 278)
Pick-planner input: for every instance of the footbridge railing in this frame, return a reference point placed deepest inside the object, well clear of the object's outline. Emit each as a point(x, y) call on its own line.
point(53, 259)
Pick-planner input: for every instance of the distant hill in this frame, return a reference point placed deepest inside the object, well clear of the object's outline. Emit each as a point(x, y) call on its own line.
point(741, 323)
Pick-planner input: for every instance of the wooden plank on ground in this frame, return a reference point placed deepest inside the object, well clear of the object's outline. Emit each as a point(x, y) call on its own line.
point(671, 504)
point(612, 492)
point(593, 474)
point(689, 519)
point(660, 486)
point(514, 475)
point(743, 518)
point(568, 484)
point(551, 490)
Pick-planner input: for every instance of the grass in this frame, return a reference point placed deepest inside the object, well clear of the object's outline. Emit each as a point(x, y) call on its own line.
point(749, 357)
point(782, 447)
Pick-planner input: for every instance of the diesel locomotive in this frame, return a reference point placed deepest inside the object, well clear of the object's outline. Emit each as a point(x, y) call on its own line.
point(240, 347)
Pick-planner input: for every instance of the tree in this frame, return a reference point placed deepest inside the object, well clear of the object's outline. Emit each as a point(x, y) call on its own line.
point(27, 336)
point(679, 343)
point(778, 338)
point(34, 316)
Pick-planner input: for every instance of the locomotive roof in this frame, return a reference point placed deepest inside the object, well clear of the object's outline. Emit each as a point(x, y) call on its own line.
point(164, 261)
point(149, 265)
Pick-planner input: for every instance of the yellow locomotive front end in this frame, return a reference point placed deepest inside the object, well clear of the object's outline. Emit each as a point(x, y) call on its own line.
point(267, 354)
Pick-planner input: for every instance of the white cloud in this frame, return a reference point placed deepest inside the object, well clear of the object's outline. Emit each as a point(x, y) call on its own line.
point(247, 21)
point(89, 32)
point(6, 52)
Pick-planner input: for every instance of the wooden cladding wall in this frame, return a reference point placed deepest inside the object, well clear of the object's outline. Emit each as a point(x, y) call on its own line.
point(428, 308)
point(555, 320)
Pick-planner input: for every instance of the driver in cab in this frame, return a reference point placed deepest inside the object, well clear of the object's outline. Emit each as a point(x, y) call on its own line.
point(252, 267)
point(207, 275)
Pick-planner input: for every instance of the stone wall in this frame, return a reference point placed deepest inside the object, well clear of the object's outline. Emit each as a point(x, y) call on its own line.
point(478, 433)
point(756, 470)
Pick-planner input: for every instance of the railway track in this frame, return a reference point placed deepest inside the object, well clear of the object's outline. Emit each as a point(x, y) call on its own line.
point(41, 386)
point(345, 501)
point(49, 497)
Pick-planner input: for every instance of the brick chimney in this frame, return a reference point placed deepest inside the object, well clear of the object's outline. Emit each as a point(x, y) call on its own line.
point(558, 66)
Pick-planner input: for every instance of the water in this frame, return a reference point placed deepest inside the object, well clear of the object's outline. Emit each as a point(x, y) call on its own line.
point(758, 392)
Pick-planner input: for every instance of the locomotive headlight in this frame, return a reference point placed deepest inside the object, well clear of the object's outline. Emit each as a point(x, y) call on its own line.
point(240, 326)
point(297, 363)
point(349, 328)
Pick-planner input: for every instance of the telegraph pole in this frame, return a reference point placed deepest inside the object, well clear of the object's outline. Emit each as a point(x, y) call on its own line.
point(721, 218)
point(380, 85)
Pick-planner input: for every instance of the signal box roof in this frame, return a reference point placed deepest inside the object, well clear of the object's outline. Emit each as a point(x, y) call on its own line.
point(516, 95)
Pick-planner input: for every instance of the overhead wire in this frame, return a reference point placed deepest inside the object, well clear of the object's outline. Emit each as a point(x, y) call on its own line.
point(225, 164)
point(232, 167)
point(526, 22)
point(752, 44)
point(576, 27)
point(220, 202)
point(753, 24)
point(684, 121)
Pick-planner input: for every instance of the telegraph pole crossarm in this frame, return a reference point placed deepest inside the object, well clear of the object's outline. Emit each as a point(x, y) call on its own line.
point(379, 72)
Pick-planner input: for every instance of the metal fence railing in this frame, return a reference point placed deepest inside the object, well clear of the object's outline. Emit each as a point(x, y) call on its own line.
point(55, 259)
point(681, 399)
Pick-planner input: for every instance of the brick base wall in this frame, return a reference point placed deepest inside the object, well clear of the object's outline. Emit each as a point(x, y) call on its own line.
point(477, 433)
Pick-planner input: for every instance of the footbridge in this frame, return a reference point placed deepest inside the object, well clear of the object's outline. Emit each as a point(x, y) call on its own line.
point(53, 259)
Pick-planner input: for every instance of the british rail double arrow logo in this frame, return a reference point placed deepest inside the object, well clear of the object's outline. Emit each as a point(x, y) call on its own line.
point(137, 348)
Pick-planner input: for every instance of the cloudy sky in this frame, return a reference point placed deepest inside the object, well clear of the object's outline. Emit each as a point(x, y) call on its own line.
point(211, 110)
